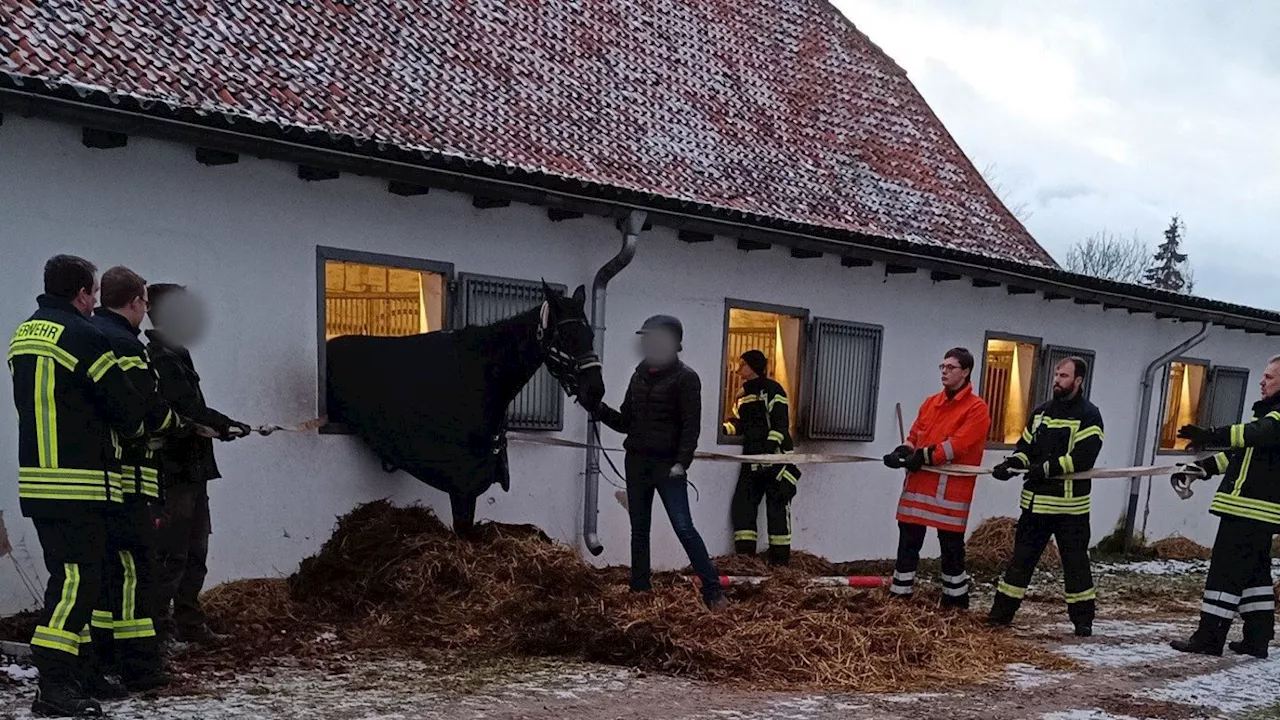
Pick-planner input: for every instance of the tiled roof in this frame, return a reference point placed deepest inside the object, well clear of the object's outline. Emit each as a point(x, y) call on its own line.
point(776, 108)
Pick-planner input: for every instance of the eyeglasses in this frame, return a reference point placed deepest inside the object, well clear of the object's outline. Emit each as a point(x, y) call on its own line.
point(947, 367)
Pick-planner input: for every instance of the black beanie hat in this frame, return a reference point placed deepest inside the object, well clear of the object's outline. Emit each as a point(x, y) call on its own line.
point(756, 361)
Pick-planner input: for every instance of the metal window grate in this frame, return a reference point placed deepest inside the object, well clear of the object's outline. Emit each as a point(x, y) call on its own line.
point(1049, 359)
point(1227, 390)
point(485, 300)
point(844, 382)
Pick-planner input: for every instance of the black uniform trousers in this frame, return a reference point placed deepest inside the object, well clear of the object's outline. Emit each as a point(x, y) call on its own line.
point(955, 581)
point(182, 552)
point(73, 556)
point(1239, 582)
point(124, 630)
point(756, 483)
point(1032, 536)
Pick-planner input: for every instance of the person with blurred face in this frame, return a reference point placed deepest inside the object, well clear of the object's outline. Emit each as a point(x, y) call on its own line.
point(187, 465)
point(950, 428)
point(1248, 505)
point(762, 418)
point(1064, 436)
point(660, 416)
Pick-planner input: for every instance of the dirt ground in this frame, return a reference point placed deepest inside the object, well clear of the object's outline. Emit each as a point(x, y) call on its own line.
point(1126, 671)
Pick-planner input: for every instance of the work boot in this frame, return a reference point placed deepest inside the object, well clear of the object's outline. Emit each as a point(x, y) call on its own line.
point(999, 622)
point(104, 686)
point(716, 603)
point(956, 604)
point(744, 547)
point(1245, 647)
point(1199, 644)
point(63, 700)
point(1084, 630)
point(780, 555)
point(141, 681)
point(202, 635)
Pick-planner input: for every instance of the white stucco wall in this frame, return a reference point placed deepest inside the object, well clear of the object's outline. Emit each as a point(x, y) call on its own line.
point(244, 236)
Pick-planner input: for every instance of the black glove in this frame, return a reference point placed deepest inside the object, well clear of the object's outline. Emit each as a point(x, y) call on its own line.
point(915, 460)
point(1197, 436)
point(1003, 471)
point(1036, 473)
point(898, 458)
point(235, 430)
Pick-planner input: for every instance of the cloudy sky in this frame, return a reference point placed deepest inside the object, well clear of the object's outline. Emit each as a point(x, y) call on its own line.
point(1113, 115)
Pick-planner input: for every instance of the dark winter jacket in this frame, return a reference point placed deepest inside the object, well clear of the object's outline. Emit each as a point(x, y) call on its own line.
point(660, 414)
point(140, 466)
point(1062, 437)
point(185, 458)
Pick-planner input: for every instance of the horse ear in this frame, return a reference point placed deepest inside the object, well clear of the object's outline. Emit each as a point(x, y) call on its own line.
point(547, 291)
point(580, 296)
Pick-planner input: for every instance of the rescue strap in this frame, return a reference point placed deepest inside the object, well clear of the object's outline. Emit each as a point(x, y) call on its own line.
point(789, 458)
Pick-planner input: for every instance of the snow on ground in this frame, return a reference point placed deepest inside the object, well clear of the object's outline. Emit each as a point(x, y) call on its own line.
point(1029, 677)
point(1153, 567)
point(1132, 628)
point(1084, 715)
point(18, 673)
point(1117, 656)
point(1248, 685)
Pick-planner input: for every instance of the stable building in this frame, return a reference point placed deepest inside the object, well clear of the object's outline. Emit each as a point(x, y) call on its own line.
point(764, 172)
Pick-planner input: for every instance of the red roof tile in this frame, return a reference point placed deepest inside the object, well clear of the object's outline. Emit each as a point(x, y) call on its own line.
point(779, 108)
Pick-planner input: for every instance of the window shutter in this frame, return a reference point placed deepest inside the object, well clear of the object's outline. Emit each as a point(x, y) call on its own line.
point(843, 380)
point(485, 300)
point(1227, 390)
point(1049, 359)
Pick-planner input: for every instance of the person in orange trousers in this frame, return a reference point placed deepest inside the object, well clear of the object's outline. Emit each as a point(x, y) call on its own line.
point(951, 428)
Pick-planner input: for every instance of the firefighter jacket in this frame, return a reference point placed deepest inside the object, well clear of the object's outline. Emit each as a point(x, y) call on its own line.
point(139, 465)
point(187, 457)
point(950, 430)
point(1251, 468)
point(1062, 437)
point(762, 417)
point(75, 405)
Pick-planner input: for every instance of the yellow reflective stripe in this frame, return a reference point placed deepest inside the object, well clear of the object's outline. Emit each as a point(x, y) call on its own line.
point(747, 399)
point(775, 436)
point(1068, 464)
point(1005, 588)
point(1090, 594)
point(85, 636)
point(1243, 474)
point(134, 629)
point(1237, 436)
point(43, 350)
point(100, 366)
point(785, 474)
point(1222, 461)
point(129, 606)
point(66, 475)
point(745, 534)
point(779, 539)
point(131, 362)
point(46, 414)
point(55, 639)
point(103, 620)
point(70, 589)
point(728, 428)
point(169, 421)
point(778, 400)
point(1091, 431)
point(1274, 415)
point(1026, 461)
point(1246, 507)
point(1027, 436)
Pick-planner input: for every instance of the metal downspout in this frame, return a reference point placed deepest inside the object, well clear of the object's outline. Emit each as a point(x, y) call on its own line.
point(1144, 417)
point(591, 489)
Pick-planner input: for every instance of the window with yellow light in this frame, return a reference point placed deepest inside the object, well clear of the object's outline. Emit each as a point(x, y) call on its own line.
point(1008, 380)
point(776, 332)
point(1182, 402)
point(366, 299)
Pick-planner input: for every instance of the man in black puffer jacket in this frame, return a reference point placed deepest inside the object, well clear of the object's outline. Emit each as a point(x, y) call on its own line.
point(660, 416)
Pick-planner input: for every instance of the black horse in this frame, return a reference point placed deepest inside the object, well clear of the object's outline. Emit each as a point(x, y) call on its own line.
point(434, 405)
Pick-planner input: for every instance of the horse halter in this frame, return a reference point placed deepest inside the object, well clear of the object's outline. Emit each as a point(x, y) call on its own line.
point(564, 367)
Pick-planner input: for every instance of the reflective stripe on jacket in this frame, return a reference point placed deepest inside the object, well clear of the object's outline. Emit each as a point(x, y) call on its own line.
point(1250, 487)
point(951, 430)
point(139, 466)
point(1062, 437)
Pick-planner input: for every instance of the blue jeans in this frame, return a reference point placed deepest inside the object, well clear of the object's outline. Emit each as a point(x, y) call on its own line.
point(645, 476)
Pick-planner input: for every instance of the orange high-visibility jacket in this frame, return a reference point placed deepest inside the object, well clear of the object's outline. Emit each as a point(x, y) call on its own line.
point(950, 430)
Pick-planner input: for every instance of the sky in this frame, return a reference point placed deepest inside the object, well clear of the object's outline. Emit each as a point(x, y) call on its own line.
point(1113, 115)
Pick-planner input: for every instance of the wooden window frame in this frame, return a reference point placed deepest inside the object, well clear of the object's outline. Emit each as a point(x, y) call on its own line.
point(1035, 378)
point(734, 304)
point(324, 254)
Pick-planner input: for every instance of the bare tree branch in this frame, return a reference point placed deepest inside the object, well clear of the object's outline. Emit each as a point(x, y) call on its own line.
point(1107, 255)
point(1020, 208)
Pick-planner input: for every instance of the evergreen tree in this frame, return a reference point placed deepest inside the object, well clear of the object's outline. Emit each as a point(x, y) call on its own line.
point(1169, 266)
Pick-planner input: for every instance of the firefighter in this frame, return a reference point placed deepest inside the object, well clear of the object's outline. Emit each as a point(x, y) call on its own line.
point(126, 626)
point(761, 417)
point(75, 406)
point(1063, 436)
point(1248, 505)
point(950, 428)
point(187, 465)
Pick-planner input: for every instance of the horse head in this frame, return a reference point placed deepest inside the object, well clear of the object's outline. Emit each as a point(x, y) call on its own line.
point(568, 345)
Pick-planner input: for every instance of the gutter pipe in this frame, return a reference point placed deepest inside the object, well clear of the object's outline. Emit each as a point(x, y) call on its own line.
point(633, 224)
point(1144, 417)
